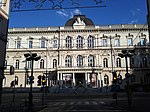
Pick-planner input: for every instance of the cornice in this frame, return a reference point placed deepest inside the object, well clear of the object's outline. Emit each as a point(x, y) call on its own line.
point(68, 30)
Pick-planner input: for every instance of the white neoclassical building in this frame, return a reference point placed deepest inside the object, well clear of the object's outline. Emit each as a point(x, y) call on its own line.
point(78, 52)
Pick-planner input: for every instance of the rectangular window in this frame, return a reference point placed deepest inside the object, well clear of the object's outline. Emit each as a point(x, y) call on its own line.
point(142, 41)
point(42, 43)
point(18, 44)
point(29, 64)
point(130, 42)
point(117, 42)
point(54, 43)
point(30, 44)
point(104, 42)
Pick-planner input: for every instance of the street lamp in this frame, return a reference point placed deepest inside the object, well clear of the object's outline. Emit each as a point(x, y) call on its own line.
point(31, 57)
point(125, 54)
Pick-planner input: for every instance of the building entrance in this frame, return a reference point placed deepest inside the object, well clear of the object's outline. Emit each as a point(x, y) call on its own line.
point(79, 78)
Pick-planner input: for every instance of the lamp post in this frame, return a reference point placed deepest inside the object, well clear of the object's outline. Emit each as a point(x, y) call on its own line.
point(125, 54)
point(31, 57)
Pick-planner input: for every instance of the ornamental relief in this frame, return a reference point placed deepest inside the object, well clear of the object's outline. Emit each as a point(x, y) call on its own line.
point(89, 52)
point(105, 54)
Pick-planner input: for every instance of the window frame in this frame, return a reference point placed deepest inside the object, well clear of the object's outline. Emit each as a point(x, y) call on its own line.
point(43, 43)
point(90, 41)
point(130, 43)
point(17, 63)
point(30, 43)
point(91, 60)
point(79, 61)
point(104, 43)
point(42, 64)
point(105, 63)
point(68, 61)
point(79, 41)
point(18, 44)
point(118, 62)
point(68, 42)
point(117, 42)
point(54, 63)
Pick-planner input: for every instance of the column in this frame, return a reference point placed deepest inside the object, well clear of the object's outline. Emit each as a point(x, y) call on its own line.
point(88, 78)
point(61, 76)
point(86, 82)
point(58, 76)
point(73, 80)
point(61, 81)
point(98, 78)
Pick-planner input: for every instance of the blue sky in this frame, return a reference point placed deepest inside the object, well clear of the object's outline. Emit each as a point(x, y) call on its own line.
point(115, 12)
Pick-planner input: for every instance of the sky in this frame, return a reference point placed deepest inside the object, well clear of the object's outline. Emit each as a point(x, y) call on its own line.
point(115, 12)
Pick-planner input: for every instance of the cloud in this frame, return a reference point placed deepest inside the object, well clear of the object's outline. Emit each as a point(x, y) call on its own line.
point(75, 12)
point(133, 21)
point(66, 14)
point(62, 13)
point(135, 11)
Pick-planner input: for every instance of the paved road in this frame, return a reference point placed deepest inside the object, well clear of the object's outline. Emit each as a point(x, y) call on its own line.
point(82, 106)
point(101, 102)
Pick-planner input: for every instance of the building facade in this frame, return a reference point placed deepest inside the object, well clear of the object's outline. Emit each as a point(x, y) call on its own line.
point(78, 53)
point(4, 18)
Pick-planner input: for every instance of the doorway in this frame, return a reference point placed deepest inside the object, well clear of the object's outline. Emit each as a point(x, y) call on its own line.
point(79, 78)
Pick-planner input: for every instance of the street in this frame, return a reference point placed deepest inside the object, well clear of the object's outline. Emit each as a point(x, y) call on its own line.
point(81, 106)
point(73, 102)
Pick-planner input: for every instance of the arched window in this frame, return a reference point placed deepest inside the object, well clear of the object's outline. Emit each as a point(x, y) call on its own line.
point(90, 42)
point(79, 61)
point(145, 62)
point(68, 61)
point(105, 62)
point(68, 42)
point(42, 63)
point(118, 62)
point(79, 42)
point(17, 64)
point(91, 61)
point(106, 79)
point(54, 63)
